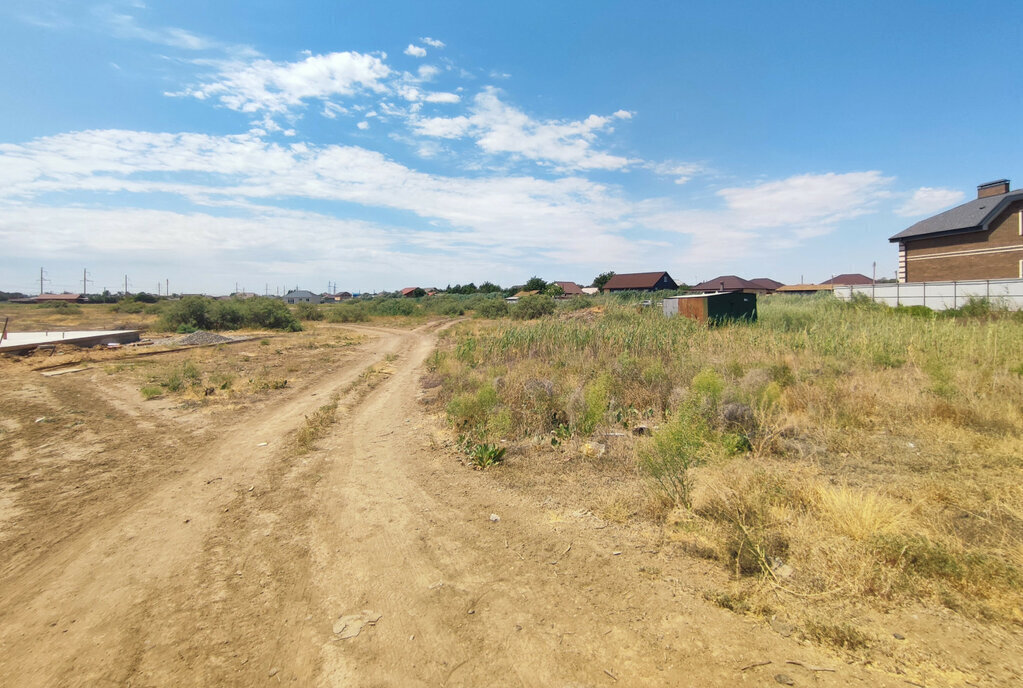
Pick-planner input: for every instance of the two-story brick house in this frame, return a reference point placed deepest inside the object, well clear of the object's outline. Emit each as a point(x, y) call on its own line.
point(981, 239)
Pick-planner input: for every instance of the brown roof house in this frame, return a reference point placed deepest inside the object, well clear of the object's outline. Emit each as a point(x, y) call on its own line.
point(980, 239)
point(849, 278)
point(640, 281)
point(767, 283)
point(569, 288)
point(729, 283)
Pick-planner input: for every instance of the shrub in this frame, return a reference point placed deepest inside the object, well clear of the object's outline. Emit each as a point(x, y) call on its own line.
point(491, 308)
point(596, 400)
point(193, 313)
point(533, 306)
point(392, 306)
point(60, 306)
point(270, 313)
point(347, 313)
point(672, 452)
point(190, 311)
point(308, 311)
point(226, 315)
point(128, 306)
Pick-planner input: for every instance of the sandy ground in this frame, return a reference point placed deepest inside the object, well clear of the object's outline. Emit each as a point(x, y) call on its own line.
point(153, 544)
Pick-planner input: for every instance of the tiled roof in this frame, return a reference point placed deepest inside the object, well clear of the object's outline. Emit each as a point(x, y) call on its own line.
point(849, 278)
point(725, 283)
point(635, 280)
point(569, 288)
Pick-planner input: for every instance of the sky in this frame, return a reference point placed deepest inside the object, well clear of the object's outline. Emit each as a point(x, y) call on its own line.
point(267, 145)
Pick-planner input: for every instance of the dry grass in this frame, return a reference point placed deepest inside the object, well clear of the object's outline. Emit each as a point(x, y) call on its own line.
point(316, 425)
point(860, 514)
point(835, 458)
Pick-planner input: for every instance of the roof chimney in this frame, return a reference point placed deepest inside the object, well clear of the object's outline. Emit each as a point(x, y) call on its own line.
point(995, 188)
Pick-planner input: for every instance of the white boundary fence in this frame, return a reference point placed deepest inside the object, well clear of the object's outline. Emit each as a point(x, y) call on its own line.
point(939, 296)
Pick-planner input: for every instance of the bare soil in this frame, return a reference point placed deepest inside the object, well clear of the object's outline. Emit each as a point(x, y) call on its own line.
point(182, 542)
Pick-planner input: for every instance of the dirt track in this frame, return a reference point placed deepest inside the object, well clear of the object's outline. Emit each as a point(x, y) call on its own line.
point(174, 552)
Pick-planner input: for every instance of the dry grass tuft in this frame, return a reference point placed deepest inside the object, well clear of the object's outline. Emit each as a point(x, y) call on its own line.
point(316, 425)
point(860, 514)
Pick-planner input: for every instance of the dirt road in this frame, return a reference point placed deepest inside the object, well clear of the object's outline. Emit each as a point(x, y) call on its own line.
point(150, 548)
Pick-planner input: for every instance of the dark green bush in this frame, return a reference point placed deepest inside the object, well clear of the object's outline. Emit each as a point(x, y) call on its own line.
point(533, 306)
point(308, 311)
point(201, 313)
point(491, 308)
point(347, 313)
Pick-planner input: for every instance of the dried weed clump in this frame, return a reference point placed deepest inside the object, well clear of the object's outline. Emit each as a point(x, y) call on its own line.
point(830, 453)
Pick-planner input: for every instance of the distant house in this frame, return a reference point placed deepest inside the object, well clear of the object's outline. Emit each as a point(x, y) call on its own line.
point(518, 295)
point(569, 288)
point(849, 278)
point(980, 239)
point(767, 283)
point(590, 291)
point(640, 281)
point(340, 296)
point(410, 292)
point(729, 283)
point(301, 296)
point(65, 298)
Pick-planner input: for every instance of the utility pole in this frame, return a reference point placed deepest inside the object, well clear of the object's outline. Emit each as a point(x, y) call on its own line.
point(85, 281)
point(40, 281)
point(166, 291)
point(126, 286)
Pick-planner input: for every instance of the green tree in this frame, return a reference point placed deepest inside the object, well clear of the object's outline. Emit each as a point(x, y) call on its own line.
point(553, 289)
point(489, 288)
point(535, 284)
point(603, 278)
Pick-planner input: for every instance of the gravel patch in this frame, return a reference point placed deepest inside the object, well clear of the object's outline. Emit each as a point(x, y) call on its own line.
point(203, 337)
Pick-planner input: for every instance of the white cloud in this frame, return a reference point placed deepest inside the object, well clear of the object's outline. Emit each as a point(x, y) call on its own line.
point(432, 42)
point(427, 72)
point(500, 128)
point(125, 26)
point(276, 87)
point(681, 171)
point(441, 97)
point(509, 218)
point(927, 201)
point(332, 110)
point(623, 114)
point(442, 127)
point(415, 51)
point(243, 169)
point(802, 199)
point(770, 216)
point(363, 125)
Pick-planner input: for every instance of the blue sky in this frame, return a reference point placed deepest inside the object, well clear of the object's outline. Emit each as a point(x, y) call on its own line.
point(390, 144)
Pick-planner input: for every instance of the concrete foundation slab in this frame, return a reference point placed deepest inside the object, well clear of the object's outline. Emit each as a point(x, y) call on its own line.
point(26, 341)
